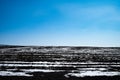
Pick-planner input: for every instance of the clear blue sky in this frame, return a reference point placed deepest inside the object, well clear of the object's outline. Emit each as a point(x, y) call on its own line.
point(60, 22)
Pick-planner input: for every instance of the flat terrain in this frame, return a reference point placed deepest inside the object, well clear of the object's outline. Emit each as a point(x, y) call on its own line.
point(59, 63)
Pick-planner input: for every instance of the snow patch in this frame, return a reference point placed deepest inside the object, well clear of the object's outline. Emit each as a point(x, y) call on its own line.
point(92, 73)
point(8, 73)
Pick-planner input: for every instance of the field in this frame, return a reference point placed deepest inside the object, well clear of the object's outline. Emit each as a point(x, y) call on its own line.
point(59, 63)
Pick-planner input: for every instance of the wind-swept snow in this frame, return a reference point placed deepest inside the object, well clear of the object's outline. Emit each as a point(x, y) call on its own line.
point(92, 73)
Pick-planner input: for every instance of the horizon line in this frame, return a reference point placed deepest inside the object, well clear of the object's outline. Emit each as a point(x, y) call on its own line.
point(58, 45)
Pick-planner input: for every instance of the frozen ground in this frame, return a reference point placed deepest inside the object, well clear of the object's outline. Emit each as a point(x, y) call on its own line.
point(59, 62)
point(78, 69)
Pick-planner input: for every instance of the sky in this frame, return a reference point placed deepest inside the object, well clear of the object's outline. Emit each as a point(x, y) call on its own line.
point(60, 22)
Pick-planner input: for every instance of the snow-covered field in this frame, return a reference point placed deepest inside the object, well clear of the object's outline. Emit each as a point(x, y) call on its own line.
point(77, 69)
point(68, 61)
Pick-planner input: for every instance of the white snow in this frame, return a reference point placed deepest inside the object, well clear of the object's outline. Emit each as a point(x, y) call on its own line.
point(40, 70)
point(92, 73)
point(92, 69)
point(8, 73)
point(45, 62)
point(37, 70)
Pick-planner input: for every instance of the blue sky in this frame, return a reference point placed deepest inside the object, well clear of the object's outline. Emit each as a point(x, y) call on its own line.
point(60, 22)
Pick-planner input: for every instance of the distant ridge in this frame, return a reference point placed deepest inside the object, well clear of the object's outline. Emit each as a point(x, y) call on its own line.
point(12, 46)
point(9, 46)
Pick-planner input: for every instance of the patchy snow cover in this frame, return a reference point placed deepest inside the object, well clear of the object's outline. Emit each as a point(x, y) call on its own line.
point(92, 73)
point(45, 62)
point(37, 70)
point(34, 65)
point(92, 69)
point(9, 73)
point(40, 70)
point(81, 68)
point(23, 72)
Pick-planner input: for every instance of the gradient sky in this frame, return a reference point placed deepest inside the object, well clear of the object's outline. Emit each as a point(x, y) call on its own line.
point(60, 22)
